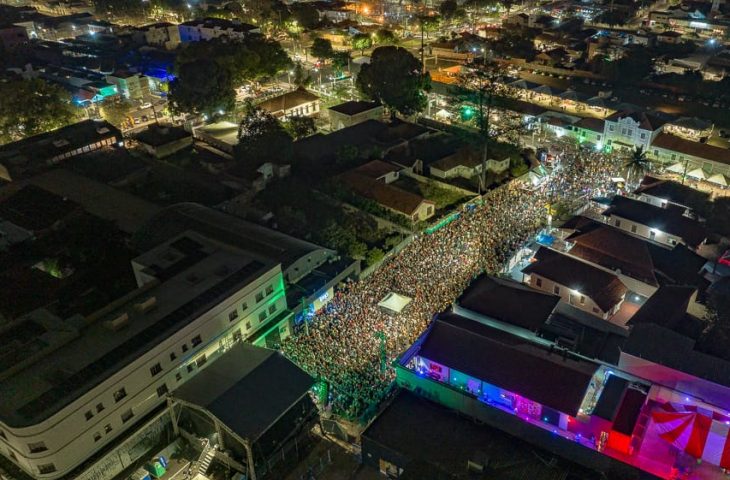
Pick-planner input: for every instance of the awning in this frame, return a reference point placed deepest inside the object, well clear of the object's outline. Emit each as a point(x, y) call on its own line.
point(443, 114)
point(697, 173)
point(719, 179)
point(701, 433)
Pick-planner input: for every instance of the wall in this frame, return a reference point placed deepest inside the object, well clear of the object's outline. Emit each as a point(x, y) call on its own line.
point(566, 294)
point(644, 231)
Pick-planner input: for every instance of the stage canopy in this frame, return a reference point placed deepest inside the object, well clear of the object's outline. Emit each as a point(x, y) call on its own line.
point(676, 168)
point(699, 432)
point(719, 179)
point(697, 173)
point(394, 303)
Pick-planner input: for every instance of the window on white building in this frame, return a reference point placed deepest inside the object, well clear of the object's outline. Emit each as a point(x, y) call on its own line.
point(37, 447)
point(538, 282)
point(262, 316)
point(46, 468)
point(272, 309)
point(127, 416)
point(173, 356)
point(196, 341)
point(232, 315)
point(162, 390)
point(556, 290)
point(120, 394)
point(97, 436)
point(178, 376)
point(269, 290)
point(259, 297)
point(155, 369)
point(88, 415)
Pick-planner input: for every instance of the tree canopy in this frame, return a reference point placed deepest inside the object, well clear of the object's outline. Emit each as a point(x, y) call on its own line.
point(361, 41)
point(384, 36)
point(30, 107)
point(305, 14)
point(202, 87)
point(394, 78)
point(322, 49)
point(261, 138)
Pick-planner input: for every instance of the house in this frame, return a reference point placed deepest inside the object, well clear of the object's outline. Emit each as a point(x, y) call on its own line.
point(465, 163)
point(696, 160)
point(577, 283)
point(385, 172)
point(163, 34)
point(130, 85)
point(210, 28)
point(36, 153)
point(297, 103)
point(590, 130)
point(353, 112)
point(660, 193)
point(163, 141)
point(690, 128)
point(667, 226)
point(670, 36)
point(412, 206)
point(553, 57)
point(641, 265)
point(629, 129)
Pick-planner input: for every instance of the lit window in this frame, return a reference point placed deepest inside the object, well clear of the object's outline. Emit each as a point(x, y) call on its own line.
point(201, 360)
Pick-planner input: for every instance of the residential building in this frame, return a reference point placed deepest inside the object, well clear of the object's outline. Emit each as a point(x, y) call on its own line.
point(668, 226)
point(297, 103)
point(163, 141)
point(36, 153)
point(130, 85)
point(695, 160)
point(577, 283)
point(164, 34)
point(210, 28)
point(412, 206)
point(466, 163)
point(353, 112)
point(660, 193)
point(631, 129)
point(72, 388)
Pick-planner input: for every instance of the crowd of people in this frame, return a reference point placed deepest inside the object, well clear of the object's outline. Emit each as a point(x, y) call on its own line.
point(343, 343)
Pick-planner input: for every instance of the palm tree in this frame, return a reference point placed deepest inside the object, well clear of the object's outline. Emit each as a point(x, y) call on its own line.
point(636, 165)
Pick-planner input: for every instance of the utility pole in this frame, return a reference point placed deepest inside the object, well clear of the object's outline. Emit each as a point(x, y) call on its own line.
point(423, 48)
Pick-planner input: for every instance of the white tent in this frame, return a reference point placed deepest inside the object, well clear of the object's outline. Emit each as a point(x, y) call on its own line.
point(697, 173)
point(676, 168)
point(719, 179)
point(443, 114)
point(394, 303)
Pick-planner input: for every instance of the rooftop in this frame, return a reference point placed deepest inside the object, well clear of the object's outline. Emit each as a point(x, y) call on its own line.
point(156, 135)
point(288, 100)
point(509, 362)
point(672, 191)
point(221, 23)
point(40, 373)
point(262, 242)
point(645, 120)
point(388, 196)
point(602, 287)
point(376, 169)
point(509, 302)
point(669, 220)
point(35, 209)
point(667, 307)
point(262, 380)
point(354, 107)
point(694, 149)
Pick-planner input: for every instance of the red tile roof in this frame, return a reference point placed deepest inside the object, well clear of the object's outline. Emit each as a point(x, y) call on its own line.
point(695, 149)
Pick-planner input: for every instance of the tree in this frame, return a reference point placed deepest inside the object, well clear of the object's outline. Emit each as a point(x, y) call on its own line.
point(394, 78)
point(385, 37)
point(261, 138)
point(340, 62)
point(301, 77)
point(321, 49)
point(429, 23)
point(117, 112)
point(300, 127)
point(636, 166)
point(30, 107)
point(306, 15)
point(202, 87)
point(373, 256)
point(361, 41)
point(448, 9)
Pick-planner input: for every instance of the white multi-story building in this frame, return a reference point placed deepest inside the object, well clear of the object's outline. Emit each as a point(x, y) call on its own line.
point(210, 28)
point(630, 129)
point(162, 34)
point(72, 389)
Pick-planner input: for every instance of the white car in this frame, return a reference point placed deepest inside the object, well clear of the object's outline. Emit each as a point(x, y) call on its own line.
point(146, 105)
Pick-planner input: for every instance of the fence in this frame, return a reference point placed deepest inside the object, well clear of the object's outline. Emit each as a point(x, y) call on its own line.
point(393, 251)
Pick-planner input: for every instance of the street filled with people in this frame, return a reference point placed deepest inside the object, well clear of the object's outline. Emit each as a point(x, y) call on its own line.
point(343, 344)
